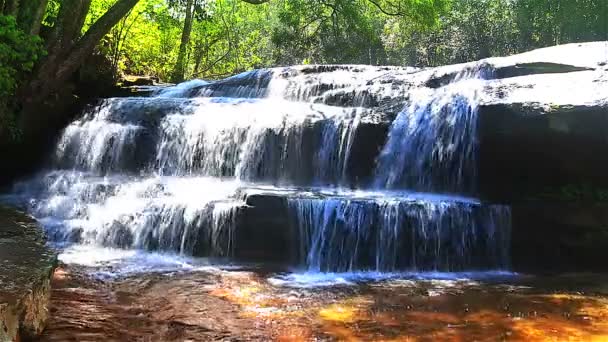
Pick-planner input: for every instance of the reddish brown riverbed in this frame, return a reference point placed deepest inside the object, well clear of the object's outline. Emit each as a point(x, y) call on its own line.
point(244, 306)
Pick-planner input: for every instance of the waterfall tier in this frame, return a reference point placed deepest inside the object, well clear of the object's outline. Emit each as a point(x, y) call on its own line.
point(332, 168)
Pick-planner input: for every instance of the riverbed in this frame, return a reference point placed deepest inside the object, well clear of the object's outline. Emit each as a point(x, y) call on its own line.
point(117, 298)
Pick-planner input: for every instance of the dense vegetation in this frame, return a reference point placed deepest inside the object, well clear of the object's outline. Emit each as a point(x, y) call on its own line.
point(46, 46)
point(229, 36)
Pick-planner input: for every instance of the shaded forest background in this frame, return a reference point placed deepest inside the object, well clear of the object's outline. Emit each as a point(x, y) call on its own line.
point(230, 36)
point(55, 54)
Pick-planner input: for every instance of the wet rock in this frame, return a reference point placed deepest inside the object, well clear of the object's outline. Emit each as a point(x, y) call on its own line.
point(26, 267)
point(118, 235)
point(551, 60)
point(139, 81)
point(263, 231)
point(525, 69)
point(539, 132)
point(559, 236)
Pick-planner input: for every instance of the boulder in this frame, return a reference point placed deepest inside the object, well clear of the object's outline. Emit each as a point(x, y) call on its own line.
point(540, 132)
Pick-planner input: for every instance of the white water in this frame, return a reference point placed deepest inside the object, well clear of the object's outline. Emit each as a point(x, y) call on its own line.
point(170, 174)
point(325, 279)
point(432, 144)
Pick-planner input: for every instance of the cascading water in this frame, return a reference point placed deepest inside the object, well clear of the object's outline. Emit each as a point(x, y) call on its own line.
point(432, 144)
point(405, 232)
point(167, 172)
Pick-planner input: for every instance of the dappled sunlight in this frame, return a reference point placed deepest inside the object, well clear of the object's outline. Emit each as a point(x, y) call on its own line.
point(582, 318)
point(339, 313)
point(216, 304)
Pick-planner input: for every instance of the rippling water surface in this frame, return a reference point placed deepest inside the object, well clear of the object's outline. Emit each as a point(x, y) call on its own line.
point(106, 294)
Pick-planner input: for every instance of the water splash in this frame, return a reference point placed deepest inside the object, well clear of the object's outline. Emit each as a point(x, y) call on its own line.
point(191, 216)
point(334, 155)
point(96, 143)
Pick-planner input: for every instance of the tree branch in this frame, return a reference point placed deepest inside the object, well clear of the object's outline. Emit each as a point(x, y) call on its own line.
point(383, 10)
point(256, 2)
point(87, 43)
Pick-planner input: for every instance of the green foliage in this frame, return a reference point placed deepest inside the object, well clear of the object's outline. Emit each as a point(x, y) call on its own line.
point(18, 54)
point(573, 192)
point(231, 36)
point(474, 29)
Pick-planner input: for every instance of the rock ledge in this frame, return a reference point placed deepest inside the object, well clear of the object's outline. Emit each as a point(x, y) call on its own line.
point(26, 268)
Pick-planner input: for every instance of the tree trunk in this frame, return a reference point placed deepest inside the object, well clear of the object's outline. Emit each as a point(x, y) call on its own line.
point(69, 25)
point(63, 35)
point(85, 46)
point(30, 15)
point(11, 7)
point(60, 65)
point(180, 66)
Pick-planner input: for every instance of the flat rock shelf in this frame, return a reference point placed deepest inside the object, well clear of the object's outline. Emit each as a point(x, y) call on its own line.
point(26, 267)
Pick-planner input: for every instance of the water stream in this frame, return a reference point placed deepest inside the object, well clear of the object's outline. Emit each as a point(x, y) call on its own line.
point(146, 184)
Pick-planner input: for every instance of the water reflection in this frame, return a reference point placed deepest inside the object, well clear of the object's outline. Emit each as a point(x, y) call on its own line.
point(249, 304)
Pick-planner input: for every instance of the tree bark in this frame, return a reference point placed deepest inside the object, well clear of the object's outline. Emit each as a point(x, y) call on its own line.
point(59, 66)
point(85, 46)
point(63, 35)
point(11, 7)
point(69, 25)
point(180, 66)
point(30, 15)
point(57, 70)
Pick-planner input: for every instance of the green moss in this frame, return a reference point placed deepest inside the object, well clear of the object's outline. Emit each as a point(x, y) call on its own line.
point(572, 193)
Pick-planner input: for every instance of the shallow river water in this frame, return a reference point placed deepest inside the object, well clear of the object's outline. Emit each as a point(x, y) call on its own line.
point(110, 295)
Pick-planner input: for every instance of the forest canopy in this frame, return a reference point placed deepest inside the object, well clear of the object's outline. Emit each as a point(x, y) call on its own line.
point(231, 36)
point(45, 44)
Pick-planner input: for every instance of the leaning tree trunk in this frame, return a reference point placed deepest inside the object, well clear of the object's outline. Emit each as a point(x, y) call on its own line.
point(30, 15)
point(180, 66)
point(66, 54)
point(61, 64)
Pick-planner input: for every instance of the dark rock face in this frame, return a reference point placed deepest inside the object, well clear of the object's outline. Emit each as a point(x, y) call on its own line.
point(263, 230)
point(26, 268)
point(554, 237)
point(524, 151)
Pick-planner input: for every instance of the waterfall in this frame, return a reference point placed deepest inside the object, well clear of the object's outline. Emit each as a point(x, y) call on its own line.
point(392, 233)
point(168, 172)
point(186, 215)
point(432, 144)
